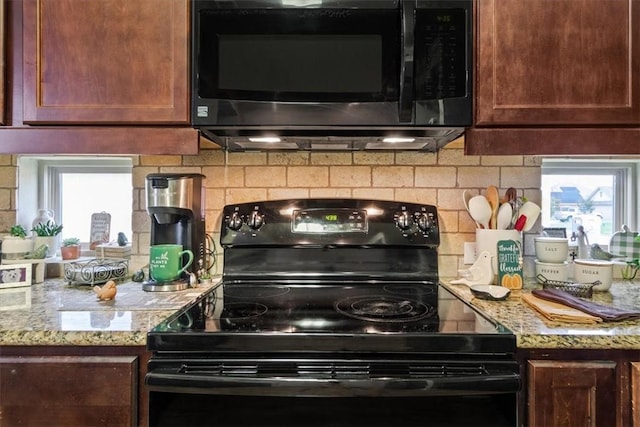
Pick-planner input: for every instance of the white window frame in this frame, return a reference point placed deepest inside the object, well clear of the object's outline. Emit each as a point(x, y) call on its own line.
point(48, 170)
point(626, 183)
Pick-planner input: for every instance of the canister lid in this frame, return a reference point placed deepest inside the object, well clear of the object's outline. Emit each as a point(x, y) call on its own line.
point(550, 239)
point(593, 262)
point(551, 264)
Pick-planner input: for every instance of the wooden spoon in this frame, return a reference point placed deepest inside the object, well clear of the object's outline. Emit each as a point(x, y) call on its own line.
point(494, 201)
point(509, 196)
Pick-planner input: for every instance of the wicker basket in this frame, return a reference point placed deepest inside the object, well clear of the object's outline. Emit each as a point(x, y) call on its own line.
point(582, 290)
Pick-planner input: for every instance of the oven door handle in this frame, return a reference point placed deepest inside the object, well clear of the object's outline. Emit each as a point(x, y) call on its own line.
point(315, 387)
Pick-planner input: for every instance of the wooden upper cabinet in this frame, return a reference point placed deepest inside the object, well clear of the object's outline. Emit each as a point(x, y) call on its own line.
point(558, 62)
point(105, 62)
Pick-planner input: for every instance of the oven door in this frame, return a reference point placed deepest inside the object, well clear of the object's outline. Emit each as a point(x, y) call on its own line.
point(172, 409)
point(322, 392)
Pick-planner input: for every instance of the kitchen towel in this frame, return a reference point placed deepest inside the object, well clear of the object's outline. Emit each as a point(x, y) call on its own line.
point(558, 312)
point(606, 313)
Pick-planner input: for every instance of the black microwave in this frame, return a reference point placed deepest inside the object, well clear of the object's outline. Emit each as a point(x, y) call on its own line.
point(317, 64)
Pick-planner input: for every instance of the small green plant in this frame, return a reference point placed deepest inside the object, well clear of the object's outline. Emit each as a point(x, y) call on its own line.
point(47, 229)
point(18, 231)
point(71, 241)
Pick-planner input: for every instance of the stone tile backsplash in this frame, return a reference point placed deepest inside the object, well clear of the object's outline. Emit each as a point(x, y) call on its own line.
point(431, 178)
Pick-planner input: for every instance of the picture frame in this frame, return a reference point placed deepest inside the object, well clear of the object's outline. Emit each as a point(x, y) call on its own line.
point(559, 232)
point(15, 275)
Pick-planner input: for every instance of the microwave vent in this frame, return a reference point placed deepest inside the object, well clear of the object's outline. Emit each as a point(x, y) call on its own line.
point(429, 140)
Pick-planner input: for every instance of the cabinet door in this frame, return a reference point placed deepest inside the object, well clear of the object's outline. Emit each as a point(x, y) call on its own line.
point(105, 61)
point(68, 390)
point(3, 62)
point(571, 393)
point(635, 393)
point(558, 62)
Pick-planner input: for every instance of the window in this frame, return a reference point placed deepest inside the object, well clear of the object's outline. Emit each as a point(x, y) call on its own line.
point(75, 188)
point(599, 195)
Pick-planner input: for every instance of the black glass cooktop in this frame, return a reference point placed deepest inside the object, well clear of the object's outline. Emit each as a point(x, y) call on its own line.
point(285, 316)
point(309, 308)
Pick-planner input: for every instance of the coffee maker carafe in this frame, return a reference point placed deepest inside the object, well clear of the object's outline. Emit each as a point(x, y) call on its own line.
point(175, 203)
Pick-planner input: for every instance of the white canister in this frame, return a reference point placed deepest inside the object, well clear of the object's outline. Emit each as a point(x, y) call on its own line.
point(552, 271)
point(552, 249)
point(590, 270)
point(487, 240)
point(13, 247)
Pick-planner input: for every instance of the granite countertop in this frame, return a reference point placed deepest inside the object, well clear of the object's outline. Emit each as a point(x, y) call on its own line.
point(534, 331)
point(58, 313)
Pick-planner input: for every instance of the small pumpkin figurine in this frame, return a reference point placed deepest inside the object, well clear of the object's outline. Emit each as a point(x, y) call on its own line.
point(107, 291)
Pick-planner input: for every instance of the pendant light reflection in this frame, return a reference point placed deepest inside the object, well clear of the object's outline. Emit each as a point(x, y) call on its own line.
point(300, 3)
point(398, 139)
point(270, 139)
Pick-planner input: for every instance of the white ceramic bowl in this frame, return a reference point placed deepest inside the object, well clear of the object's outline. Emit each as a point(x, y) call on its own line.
point(490, 292)
point(590, 270)
point(551, 249)
point(552, 271)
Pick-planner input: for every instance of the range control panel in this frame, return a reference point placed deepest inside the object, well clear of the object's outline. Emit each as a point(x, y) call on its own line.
point(330, 222)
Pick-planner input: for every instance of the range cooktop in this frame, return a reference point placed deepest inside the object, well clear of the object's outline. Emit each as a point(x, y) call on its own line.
point(285, 316)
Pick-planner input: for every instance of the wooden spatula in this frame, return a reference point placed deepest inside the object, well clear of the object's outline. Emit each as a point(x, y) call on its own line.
point(494, 201)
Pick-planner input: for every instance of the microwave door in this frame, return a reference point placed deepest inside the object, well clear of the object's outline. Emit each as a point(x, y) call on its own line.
point(297, 67)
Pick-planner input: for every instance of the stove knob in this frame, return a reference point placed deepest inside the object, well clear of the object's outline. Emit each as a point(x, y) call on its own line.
point(234, 222)
point(403, 220)
point(424, 222)
point(255, 220)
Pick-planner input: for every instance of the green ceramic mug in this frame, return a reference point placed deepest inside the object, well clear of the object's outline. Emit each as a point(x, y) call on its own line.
point(165, 262)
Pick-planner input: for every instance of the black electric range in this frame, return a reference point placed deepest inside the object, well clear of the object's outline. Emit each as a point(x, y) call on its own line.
point(330, 298)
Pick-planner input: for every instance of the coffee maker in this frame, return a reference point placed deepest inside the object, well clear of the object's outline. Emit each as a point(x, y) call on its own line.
point(175, 202)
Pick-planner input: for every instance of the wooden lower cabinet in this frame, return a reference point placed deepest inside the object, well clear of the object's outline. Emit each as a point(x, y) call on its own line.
point(72, 386)
point(571, 393)
point(635, 393)
point(581, 387)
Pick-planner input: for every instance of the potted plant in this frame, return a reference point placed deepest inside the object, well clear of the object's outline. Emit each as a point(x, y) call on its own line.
point(18, 231)
point(70, 248)
point(16, 245)
point(205, 277)
point(46, 234)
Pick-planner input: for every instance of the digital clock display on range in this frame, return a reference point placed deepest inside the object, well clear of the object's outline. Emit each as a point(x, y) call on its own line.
point(329, 221)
